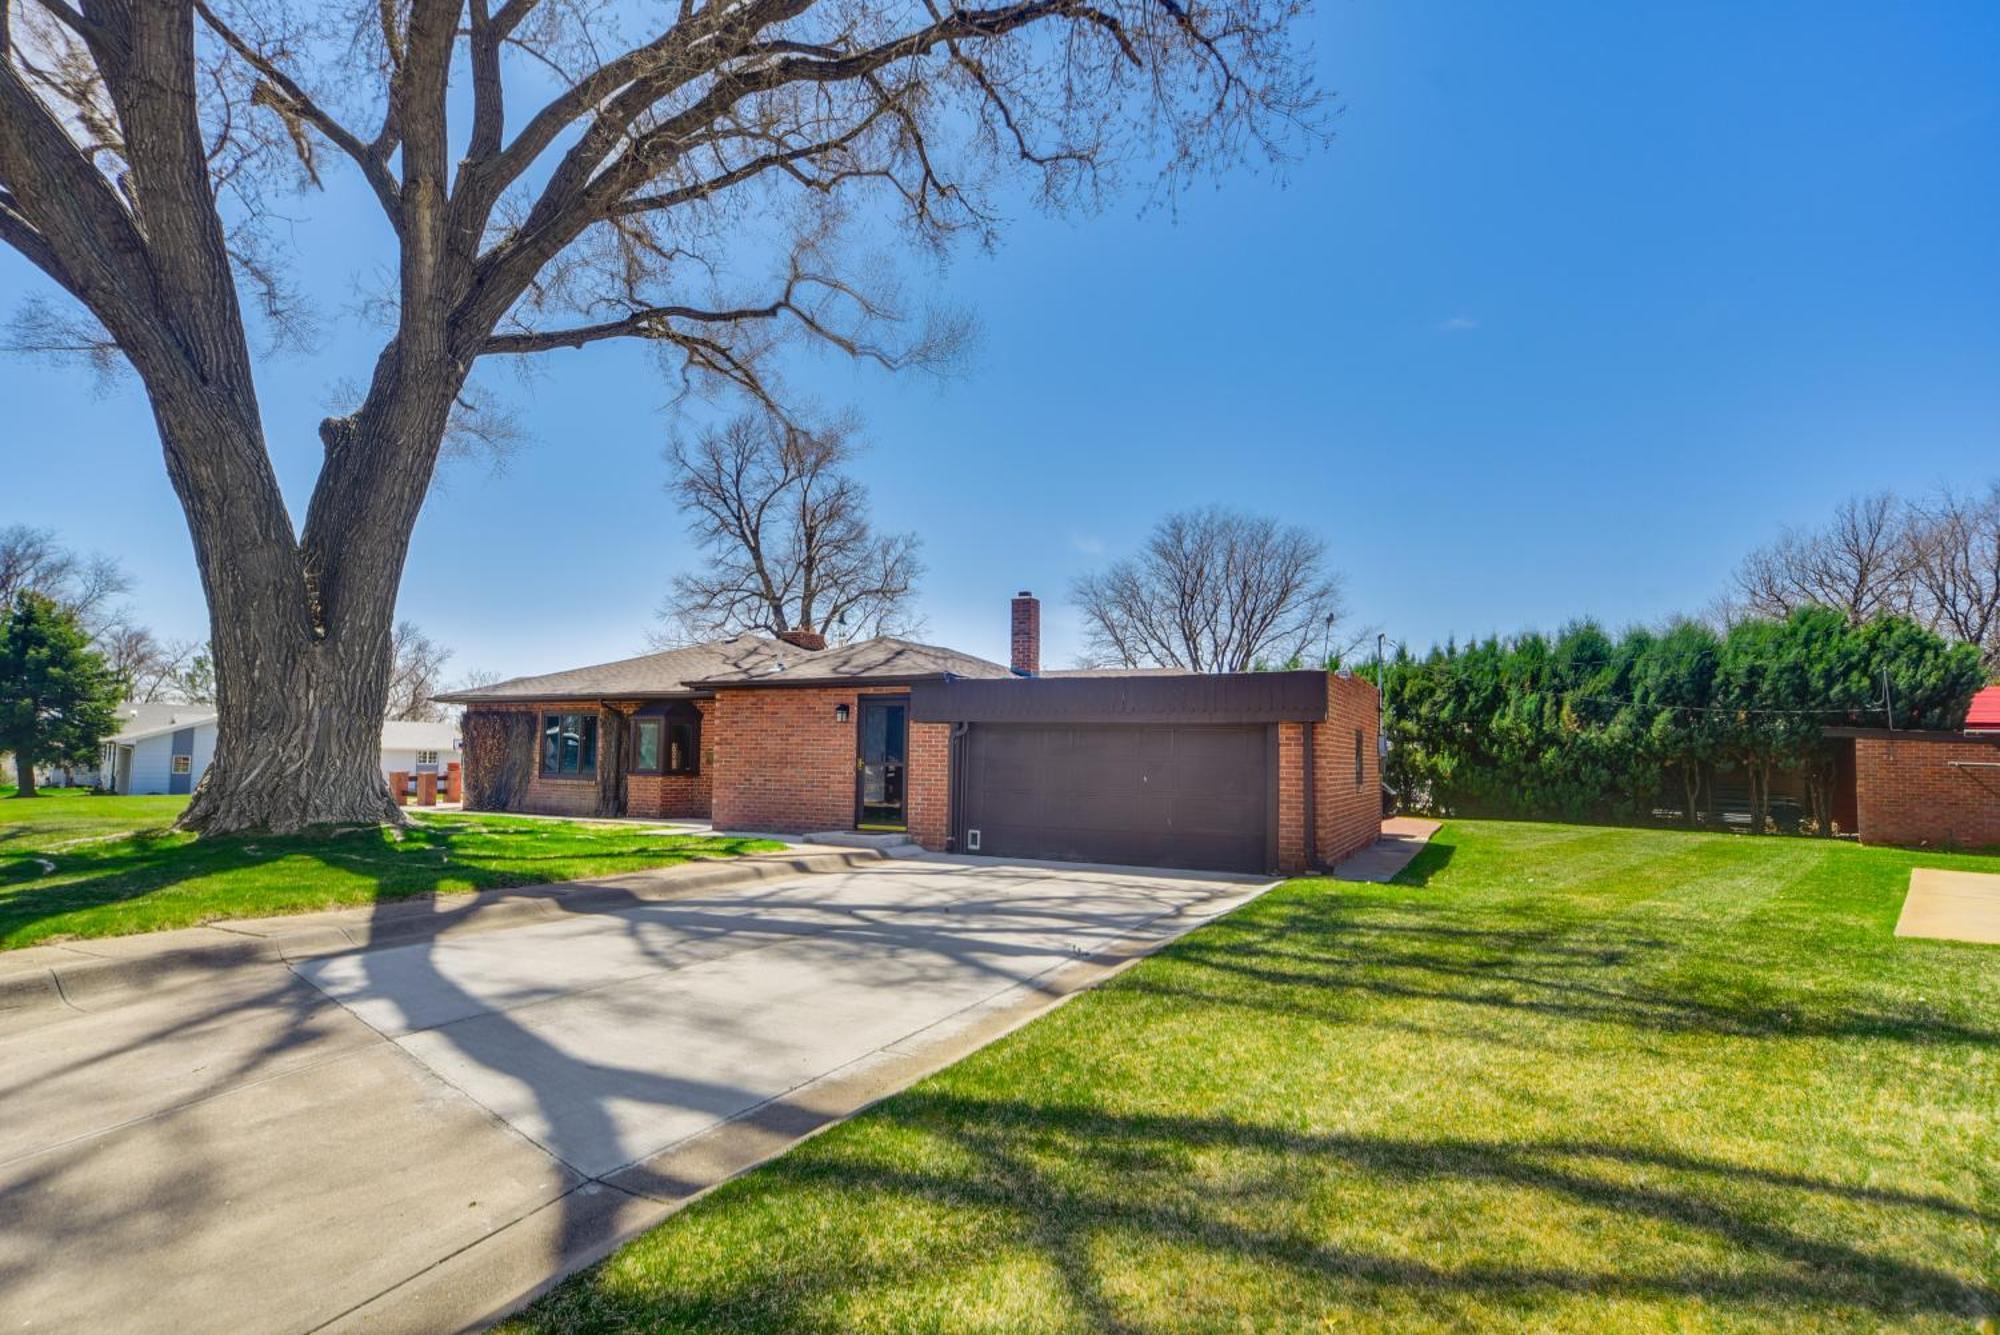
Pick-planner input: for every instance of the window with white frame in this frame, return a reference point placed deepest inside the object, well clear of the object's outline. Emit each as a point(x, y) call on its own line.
point(427, 757)
point(183, 764)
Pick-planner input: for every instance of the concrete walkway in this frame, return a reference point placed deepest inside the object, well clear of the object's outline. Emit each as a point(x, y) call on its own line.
point(1952, 906)
point(100, 971)
point(418, 1136)
point(1402, 838)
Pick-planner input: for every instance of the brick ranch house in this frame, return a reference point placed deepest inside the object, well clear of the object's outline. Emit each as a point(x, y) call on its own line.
point(1925, 788)
point(1255, 771)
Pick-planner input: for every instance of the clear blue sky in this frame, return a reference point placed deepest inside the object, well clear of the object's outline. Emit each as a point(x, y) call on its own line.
point(1583, 301)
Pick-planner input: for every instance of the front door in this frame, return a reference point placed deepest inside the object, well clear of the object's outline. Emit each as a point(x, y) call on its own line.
point(884, 745)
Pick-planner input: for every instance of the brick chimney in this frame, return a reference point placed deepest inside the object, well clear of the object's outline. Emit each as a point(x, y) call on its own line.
point(803, 639)
point(1027, 634)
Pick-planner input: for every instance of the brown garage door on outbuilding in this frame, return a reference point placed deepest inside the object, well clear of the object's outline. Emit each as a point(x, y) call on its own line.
point(1135, 794)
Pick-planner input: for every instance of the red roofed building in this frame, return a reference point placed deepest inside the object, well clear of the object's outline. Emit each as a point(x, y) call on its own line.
point(1984, 716)
point(1925, 788)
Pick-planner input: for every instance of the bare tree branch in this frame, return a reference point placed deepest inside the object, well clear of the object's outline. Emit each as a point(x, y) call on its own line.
point(1212, 591)
point(283, 94)
point(1953, 544)
point(1858, 565)
point(416, 674)
point(785, 538)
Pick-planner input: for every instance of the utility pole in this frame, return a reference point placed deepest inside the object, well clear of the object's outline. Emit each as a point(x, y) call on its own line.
point(1381, 698)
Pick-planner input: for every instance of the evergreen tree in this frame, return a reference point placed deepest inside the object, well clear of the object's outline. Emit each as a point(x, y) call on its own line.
point(1591, 727)
point(58, 696)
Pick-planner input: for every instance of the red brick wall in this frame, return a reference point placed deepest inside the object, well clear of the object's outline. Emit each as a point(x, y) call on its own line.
point(656, 796)
point(929, 785)
point(1346, 819)
point(1348, 816)
point(1292, 797)
point(674, 796)
point(783, 764)
point(1910, 792)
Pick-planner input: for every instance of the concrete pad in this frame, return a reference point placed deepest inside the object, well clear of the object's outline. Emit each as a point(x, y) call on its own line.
point(90, 1073)
point(507, 1269)
point(274, 1207)
point(730, 1016)
point(1402, 838)
point(472, 1288)
point(1952, 906)
point(401, 989)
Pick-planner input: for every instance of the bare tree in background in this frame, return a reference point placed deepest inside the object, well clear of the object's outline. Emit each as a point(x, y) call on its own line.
point(604, 172)
point(35, 559)
point(416, 674)
point(785, 536)
point(1212, 591)
point(1953, 544)
point(475, 679)
point(1859, 565)
point(154, 670)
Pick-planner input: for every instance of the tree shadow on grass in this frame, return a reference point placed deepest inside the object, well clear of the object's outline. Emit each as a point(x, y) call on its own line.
point(1056, 1181)
point(359, 866)
point(1593, 971)
point(1431, 861)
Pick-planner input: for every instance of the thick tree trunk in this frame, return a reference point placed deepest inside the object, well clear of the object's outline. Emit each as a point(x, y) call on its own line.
point(299, 630)
point(24, 776)
point(299, 749)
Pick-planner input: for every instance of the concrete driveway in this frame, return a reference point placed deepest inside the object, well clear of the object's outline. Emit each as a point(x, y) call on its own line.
point(415, 1137)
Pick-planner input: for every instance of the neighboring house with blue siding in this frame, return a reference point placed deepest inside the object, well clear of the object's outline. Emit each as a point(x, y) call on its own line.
point(165, 748)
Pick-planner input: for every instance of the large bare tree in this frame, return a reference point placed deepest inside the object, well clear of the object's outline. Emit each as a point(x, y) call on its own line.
point(1953, 543)
point(549, 174)
point(1858, 564)
point(785, 538)
point(1212, 590)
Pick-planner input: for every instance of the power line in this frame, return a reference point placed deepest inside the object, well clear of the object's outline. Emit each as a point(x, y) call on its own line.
point(1721, 709)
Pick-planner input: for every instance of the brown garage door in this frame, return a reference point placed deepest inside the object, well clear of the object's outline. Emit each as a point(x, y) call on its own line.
point(1136, 794)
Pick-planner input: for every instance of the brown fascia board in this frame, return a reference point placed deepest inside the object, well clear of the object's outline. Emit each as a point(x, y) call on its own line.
point(1219, 698)
point(1913, 735)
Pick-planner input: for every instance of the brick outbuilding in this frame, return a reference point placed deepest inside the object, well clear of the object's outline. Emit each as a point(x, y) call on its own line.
point(1934, 789)
point(1243, 771)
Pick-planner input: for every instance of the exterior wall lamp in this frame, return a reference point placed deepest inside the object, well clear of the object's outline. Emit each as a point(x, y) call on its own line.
point(840, 713)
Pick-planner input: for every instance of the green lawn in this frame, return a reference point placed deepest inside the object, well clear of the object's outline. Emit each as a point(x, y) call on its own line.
point(75, 864)
point(1561, 1078)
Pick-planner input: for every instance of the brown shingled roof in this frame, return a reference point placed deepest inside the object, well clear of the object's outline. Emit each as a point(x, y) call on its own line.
point(742, 660)
point(650, 675)
point(882, 659)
